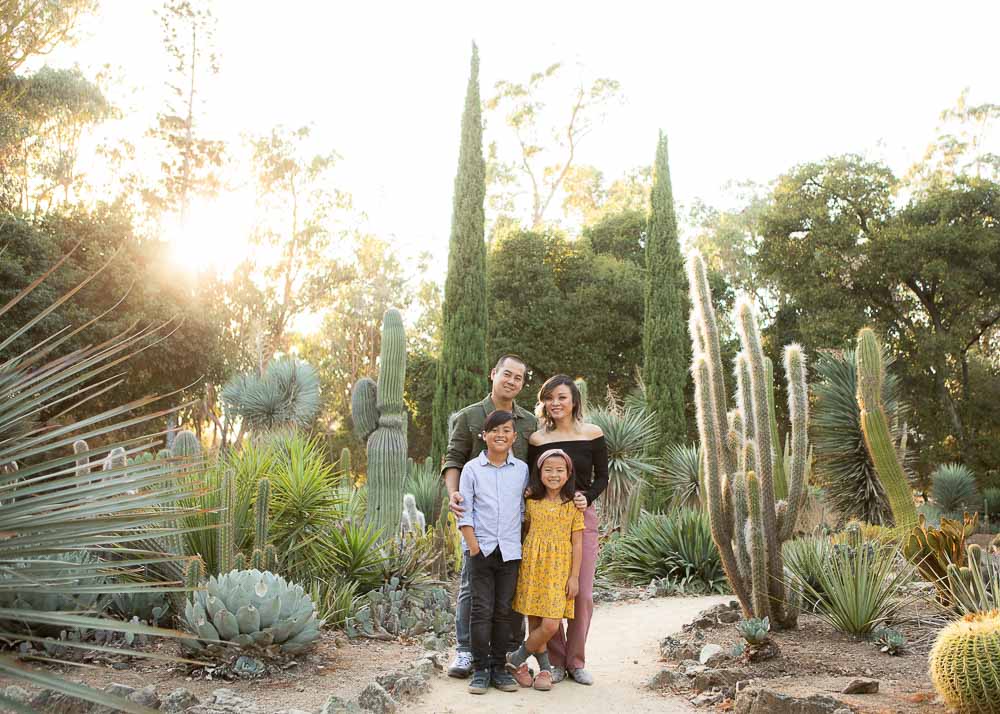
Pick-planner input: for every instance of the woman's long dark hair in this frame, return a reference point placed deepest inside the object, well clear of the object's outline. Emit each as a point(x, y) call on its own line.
point(537, 490)
point(546, 391)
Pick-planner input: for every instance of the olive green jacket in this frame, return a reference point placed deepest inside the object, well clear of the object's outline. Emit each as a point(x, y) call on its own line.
point(465, 439)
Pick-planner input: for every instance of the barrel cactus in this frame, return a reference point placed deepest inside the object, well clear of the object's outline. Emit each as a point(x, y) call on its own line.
point(251, 610)
point(186, 444)
point(965, 663)
point(380, 417)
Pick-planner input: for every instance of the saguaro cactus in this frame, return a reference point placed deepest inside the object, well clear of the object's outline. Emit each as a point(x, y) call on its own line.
point(743, 463)
point(875, 428)
point(380, 417)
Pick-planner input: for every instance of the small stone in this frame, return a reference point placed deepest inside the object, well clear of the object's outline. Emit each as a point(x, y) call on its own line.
point(728, 617)
point(695, 669)
point(178, 701)
point(146, 697)
point(673, 650)
point(387, 680)
point(668, 678)
point(336, 705)
point(766, 701)
point(423, 668)
point(685, 663)
point(436, 657)
point(709, 651)
point(703, 622)
point(722, 678)
point(708, 698)
point(53, 702)
point(408, 687)
point(17, 694)
point(861, 685)
point(375, 698)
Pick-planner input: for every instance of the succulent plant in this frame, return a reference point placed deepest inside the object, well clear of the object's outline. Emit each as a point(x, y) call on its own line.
point(149, 606)
point(412, 520)
point(953, 488)
point(889, 640)
point(932, 550)
point(287, 394)
point(393, 611)
point(251, 610)
point(186, 444)
point(965, 663)
point(755, 630)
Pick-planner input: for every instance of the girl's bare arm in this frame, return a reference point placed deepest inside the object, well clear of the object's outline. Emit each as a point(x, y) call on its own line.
point(573, 583)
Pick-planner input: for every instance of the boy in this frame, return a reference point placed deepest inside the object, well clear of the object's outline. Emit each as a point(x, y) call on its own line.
point(492, 487)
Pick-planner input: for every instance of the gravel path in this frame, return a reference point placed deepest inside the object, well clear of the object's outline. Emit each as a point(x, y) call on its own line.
point(622, 653)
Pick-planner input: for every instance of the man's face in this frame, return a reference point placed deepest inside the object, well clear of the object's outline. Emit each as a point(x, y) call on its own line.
point(508, 379)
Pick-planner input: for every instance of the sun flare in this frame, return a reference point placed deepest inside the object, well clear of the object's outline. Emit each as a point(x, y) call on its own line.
point(214, 235)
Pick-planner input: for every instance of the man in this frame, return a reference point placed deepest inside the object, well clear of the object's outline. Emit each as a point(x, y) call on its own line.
point(465, 441)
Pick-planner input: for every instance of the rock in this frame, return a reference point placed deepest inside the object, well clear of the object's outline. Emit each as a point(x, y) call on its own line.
point(423, 668)
point(437, 658)
point(52, 702)
point(146, 697)
point(668, 678)
point(336, 705)
point(708, 698)
point(728, 617)
point(375, 698)
point(292, 711)
point(17, 694)
point(226, 701)
point(695, 669)
point(684, 664)
point(409, 686)
point(709, 651)
point(673, 650)
point(432, 642)
point(861, 685)
point(699, 623)
point(122, 691)
point(721, 678)
point(178, 701)
point(766, 701)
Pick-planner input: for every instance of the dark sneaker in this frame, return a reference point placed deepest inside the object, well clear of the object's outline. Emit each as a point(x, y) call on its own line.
point(461, 666)
point(502, 680)
point(480, 682)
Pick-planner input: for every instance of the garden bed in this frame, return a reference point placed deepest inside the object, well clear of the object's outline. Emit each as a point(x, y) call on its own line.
point(337, 666)
point(814, 659)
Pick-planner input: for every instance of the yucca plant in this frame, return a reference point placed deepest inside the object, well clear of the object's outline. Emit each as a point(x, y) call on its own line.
point(682, 475)
point(953, 488)
point(806, 558)
point(842, 461)
point(859, 589)
point(286, 394)
point(356, 554)
point(51, 505)
point(630, 435)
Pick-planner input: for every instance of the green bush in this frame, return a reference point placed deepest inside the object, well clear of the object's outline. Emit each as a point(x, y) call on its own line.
point(953, 488)
point(678, 546)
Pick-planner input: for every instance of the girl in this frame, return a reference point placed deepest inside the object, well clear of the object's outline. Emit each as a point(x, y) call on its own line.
point(550, 566)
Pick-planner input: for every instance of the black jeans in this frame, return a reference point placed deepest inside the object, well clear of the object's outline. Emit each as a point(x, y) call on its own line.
point(492, 582)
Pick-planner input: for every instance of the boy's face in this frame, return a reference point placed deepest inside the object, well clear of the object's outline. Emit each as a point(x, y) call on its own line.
point(501, 438)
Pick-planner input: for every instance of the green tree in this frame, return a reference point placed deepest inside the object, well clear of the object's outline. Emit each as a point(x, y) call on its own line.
point(29, 28)
point(461, 374)
point(665, 344)
point(588, 195)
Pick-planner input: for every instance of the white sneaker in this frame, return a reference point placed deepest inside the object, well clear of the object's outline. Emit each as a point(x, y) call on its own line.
point(461, 666)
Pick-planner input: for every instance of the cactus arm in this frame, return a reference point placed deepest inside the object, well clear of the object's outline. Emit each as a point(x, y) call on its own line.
point(798, 413)
point(780, 484)
point(758, 551)
point(712, 447)
point(364, 412)
point(875, 430)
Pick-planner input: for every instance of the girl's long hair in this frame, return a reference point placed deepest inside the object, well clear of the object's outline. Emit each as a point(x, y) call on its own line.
point(537, 490)
point(548, 423)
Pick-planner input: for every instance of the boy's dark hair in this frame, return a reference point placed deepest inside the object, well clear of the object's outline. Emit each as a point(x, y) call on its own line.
point(496, 418)
point(537, 490)
point(509, 356)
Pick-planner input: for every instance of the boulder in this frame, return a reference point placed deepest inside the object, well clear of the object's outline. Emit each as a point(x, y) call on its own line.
point(336, 705)
point(226, 701)
point(719, 678)
point(708, 652)
point(668, 678)
point(766, 701)
point(861, 685)
point(375, 698)
point(178, 701)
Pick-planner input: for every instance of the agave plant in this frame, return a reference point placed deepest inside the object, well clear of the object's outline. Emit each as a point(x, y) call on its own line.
point(842, 461)
point(286, 394)
point(953, 488)
point(630, 435)
point(50, 506)
point(682, 475)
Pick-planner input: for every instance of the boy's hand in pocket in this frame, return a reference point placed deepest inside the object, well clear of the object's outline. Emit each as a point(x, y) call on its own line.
point(572, 587)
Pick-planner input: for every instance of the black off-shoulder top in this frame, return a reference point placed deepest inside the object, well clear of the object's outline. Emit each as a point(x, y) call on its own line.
point(590, 463)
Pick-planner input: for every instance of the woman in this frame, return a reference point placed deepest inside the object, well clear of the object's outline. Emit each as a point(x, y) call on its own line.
point(560, 417)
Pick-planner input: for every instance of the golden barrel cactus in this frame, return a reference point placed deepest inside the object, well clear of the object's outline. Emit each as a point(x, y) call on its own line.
point(965, 663)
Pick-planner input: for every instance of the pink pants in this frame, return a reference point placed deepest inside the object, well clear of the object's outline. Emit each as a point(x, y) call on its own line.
point(567, 650)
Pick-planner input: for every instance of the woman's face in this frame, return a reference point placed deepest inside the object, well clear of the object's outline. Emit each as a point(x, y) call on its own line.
point(554, 473)
point(559, 402)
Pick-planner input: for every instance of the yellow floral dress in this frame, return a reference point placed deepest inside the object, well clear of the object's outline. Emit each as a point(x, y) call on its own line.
point(547, 559)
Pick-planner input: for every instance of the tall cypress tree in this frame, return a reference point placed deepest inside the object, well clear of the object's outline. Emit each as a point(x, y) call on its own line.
point(666, 350)
point(462, 369)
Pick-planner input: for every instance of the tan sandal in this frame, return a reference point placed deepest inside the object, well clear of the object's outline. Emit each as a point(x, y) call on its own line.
point(543, 681)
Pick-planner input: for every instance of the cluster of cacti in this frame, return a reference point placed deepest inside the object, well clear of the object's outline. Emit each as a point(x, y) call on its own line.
point(754, 630)
point(876, 431)
point(393, 611)
point(74, 569)
point(743, 466)
point(965, 663)
point(251, 610)
point(412, 520)
point(380, 417)
point(932, 550)
point(149, 606)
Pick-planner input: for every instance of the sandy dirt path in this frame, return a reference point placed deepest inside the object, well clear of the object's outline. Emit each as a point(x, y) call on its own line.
point(622, 653)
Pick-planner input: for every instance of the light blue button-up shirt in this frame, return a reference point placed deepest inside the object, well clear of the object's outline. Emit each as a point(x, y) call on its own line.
point(493, 497)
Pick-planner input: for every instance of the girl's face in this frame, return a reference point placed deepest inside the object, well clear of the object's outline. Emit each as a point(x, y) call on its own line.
point(554, 473)
point(499, 439)
point(559, 403)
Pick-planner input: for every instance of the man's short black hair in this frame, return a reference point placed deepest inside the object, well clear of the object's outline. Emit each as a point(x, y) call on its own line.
point(504, 358)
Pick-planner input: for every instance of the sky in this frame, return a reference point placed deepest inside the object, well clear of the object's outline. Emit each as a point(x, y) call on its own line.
point(744, 90)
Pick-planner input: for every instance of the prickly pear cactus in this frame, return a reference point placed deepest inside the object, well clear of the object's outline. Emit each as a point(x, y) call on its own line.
point(380, 417)
point(251, 610)
point(394, 611)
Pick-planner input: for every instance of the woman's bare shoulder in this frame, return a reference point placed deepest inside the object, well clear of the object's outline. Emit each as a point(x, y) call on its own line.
point(592, 431)
point(537, 438)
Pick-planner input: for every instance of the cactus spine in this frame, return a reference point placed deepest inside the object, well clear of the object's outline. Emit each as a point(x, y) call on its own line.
point(876, 432)
point(965, 663)
point(379, 415)
point(742, 460)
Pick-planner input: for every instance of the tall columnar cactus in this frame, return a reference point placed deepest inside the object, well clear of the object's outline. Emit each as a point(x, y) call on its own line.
point(965, 663)
point(741, 457)
point(345, 467)
point(82, 462)
point(264, 555)
point(380, 417)
point(876, 431)
point(227, 545)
